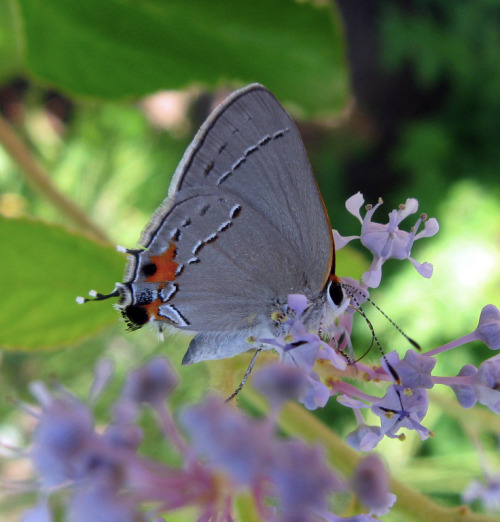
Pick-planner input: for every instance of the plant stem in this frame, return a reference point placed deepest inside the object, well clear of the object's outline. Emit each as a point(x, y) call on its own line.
point(38, 178)
point(410, 506)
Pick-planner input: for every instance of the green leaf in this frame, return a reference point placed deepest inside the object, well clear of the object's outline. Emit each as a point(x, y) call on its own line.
point(128, 48)
point(44, 267)
point(10, 40)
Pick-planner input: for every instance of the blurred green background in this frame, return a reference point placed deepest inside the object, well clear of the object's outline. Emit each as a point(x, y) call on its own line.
point(395, 99)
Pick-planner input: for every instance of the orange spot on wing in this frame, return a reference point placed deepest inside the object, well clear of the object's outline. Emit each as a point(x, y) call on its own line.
point(152, 308)
point(165, 266)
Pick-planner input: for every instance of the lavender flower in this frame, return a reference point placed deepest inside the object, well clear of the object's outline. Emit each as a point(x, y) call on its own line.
point(402, 408)
point(487, 384)
point(39, 513)
point(302, 481)
point(227, 452)
point(241, 447)
point(371, 483)
point(62, 439)
point(100, 501)
point(150, 384)
point(488, 329)
point(364, 437)
point(464, 389)
point(223, 452)
point(487, 492)
point(388, 241)
point(414, 371)
point(280, 383)
point(301, 349)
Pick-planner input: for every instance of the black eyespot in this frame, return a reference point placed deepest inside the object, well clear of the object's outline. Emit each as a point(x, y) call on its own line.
point(149, 269)
point(135, 316)
point(336, 293)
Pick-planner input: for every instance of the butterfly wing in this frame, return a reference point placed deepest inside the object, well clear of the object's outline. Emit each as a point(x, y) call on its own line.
point(243, 226)
point(250, 147)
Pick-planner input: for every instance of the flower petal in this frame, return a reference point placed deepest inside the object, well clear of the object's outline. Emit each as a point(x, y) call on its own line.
point(431, 228)
point(488, 328)
point(373, 276)
point(298, 303)
point(354, 203)
point(341, 241)
point(365, 438)
point(410, 207)
point(424, 269)
point(371, 484)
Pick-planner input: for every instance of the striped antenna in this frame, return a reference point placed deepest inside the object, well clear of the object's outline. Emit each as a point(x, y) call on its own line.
point(353, 290)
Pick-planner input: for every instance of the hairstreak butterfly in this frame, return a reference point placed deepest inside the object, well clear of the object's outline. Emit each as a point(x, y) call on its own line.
point(243, 227)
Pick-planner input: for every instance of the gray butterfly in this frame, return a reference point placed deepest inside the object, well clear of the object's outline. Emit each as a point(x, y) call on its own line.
point(243, 227)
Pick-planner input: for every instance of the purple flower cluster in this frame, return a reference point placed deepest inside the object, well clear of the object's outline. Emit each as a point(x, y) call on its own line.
point(224, 455)
point(301, 349)
point(325, 366)
point(319, 371)
point(388, 241)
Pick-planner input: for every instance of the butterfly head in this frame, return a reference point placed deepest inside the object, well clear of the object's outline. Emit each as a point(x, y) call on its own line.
point(336, 302)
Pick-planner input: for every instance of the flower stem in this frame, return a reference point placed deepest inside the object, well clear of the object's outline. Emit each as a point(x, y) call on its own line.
point(453, 344)
point(410, 506)
point(479, 416)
